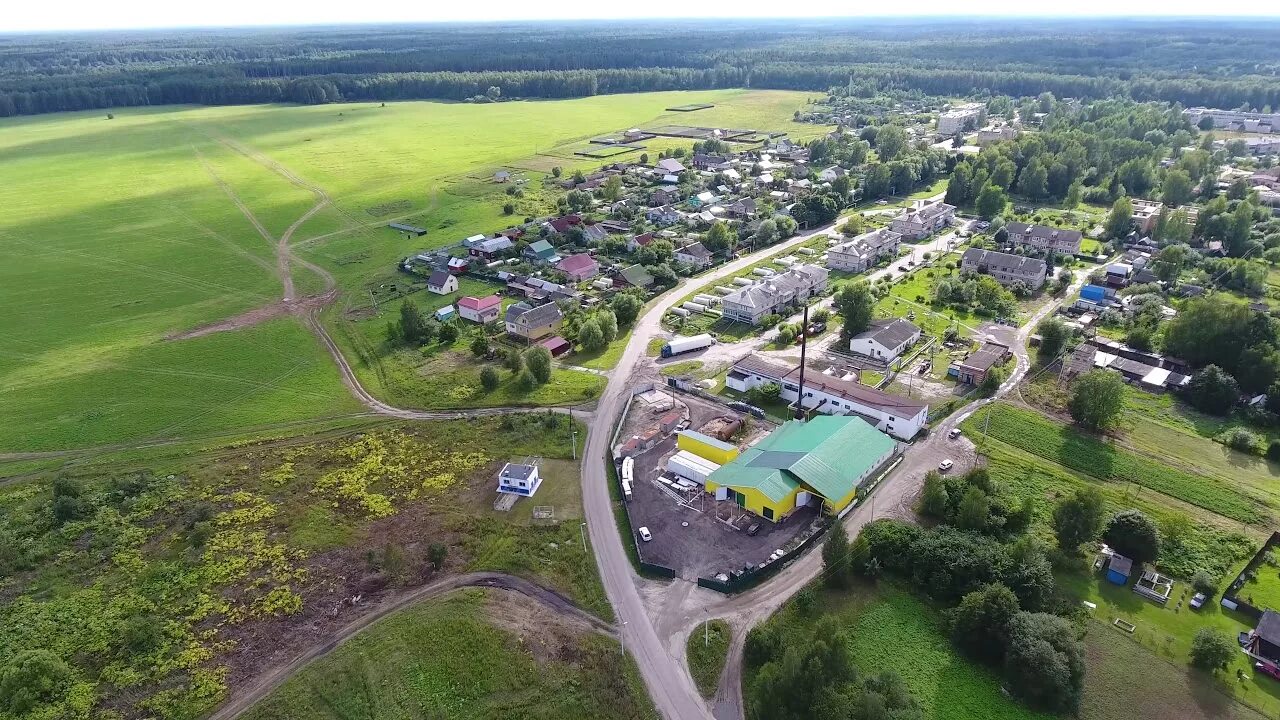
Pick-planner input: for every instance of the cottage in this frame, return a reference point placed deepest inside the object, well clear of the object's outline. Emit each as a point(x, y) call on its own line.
point(542, 252)
point(492, 248)
point(670, 166)
point(922, 219)
point(1004, 267)
point(633, 276)
point(532, 323)
point(743, 209)
point(457, 266)
point(663, 215)
point(442, 282)
point(973, 369)
point(560, 225)
point(885, 340)
point(480, 310)
point(864, 251)
point(579, 267)
point(702, 161)
point(519, 479)
point(775, 294)
point(1043, 238)
point(1264, 641)
point(594, 233)
point(635, 242)
point(664, 196)
point(694, 254)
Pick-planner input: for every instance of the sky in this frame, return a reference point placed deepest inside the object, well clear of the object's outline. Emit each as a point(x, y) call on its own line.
point(26, 15)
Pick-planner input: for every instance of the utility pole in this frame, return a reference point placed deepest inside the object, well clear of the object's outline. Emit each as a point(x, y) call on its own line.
point(582, 535)
point(804, 343)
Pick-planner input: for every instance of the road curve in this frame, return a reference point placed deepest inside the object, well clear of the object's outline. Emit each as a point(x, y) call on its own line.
point(273, 679)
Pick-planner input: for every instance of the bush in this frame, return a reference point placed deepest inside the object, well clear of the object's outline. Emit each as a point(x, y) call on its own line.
point(1132, 534)
point(1243, 440)
point(1044, 663)
point(1212, 649)
point(980, 624)
point(31, 678)
point(1204, 582)
point(489, 379)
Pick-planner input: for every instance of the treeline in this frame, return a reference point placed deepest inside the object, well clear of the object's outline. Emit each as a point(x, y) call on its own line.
point(1191, 63)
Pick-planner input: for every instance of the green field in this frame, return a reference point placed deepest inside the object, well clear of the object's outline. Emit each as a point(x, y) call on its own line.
point(1030, 431)
point(706, 651)
point(117, 233)
point(163, 577)
point(460, 658)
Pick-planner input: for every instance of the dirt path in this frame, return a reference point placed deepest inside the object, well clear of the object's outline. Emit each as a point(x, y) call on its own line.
point(246, 697)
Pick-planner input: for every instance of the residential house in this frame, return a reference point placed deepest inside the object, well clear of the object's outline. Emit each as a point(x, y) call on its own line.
point(579, 267)
point(492, 248)
point(633, 276)
point(664, 196)
point(713, 163)
point(442, 282)
point(995, 133)
point(694, 254)
point(743, 209)
point(635, 242)
point(594, 233)
point(922, 219)
point(831, 173)
point(542, 251)
point(457, 265)
point(1264, 640)
point(974, 368)
point(1043, 237)
point(775, 294)
point(885, 340)
point(480, 310)
point(670, 166)
point(827, 461)
point(519, 479)
point(864, 251)
point(531, 322)
point(833, 394)
point(1004, 267)
point(663, 215)
point(562, 224)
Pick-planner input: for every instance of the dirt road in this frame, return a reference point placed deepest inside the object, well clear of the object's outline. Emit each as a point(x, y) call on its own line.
point(552, 600)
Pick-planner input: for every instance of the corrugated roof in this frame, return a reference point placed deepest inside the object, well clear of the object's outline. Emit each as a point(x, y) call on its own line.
point(708, 440)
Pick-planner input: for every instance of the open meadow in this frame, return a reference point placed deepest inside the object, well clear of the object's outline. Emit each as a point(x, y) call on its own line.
point(119, 233)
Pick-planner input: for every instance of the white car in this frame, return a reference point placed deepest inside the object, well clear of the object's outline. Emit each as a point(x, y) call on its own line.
point(944, 466)
point(645, 535)
point(955, 433)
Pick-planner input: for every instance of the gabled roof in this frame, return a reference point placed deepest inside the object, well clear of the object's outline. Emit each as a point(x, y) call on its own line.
point(636, 275)
point(827, 454)
point(565, 222)
point(577, 263)
point(671, 165)
point(695, 249)
point(493, 245)
point(889, 333)
point(478, 304)
point(542, 249)
point(532, 316)
point(438, 278)
point(1018, 262)
point(1044, 232)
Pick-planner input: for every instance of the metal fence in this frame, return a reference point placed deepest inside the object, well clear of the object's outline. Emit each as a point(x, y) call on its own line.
point(1231, 595)
point(755, 576)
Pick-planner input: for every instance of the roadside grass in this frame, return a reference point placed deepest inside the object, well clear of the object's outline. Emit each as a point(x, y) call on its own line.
point(116, 234)
point(654, 348)
point(459, 657)
point(216, 548)
point(706, 651)
point(684, 367)
point(1032, 432)
point(606, 359)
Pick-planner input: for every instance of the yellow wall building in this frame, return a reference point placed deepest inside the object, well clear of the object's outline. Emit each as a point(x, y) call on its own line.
point(705, 446)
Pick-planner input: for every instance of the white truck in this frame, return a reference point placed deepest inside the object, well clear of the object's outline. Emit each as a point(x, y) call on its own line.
point(687, 344)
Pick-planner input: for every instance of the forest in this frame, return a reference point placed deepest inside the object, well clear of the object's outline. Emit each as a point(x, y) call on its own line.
point(1202, 62)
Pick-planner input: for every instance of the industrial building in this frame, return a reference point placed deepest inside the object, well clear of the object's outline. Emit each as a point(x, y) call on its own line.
point(824, 460)
point(705, 446)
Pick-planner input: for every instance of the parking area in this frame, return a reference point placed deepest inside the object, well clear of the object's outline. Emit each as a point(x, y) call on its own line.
point(692, 533)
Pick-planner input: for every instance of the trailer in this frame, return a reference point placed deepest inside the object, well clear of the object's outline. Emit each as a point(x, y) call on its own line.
point(691, 467)
point(687, 344)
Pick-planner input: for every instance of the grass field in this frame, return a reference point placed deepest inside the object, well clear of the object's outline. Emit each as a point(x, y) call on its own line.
point(889, 629)
point(168, 575)
point(461, 657)
point(706, 651)
point(118, 232)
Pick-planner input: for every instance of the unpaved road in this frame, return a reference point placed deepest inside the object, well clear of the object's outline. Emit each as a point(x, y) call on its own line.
point(267, 682)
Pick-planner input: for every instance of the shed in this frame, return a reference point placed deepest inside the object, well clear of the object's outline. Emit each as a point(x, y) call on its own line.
point(1118, 569)
point(705, 446)
point(446, 313)
point(557, 345)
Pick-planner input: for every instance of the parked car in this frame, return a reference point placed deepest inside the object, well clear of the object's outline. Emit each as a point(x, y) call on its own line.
point(645, 535)
point(955, 433)
point(1197, 601)
point(943, 466)
point(1267, 669)
point(817, 328)
point(755, 528)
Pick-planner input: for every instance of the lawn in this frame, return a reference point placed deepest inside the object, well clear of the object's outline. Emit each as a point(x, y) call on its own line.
point(461, 657)
point(118, 232)
point(1263, 589)
point(168, 575)
point(913, 293)
point(706, 651)
point(1031, 432)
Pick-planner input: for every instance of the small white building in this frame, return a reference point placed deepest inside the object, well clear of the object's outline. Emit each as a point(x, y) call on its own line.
point(885, 340)
point(442, 282)
point(519, 479)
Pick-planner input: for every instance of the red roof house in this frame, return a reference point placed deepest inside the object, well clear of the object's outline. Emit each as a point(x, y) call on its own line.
point(561, 224)
point(579, 267)
point(481, 310)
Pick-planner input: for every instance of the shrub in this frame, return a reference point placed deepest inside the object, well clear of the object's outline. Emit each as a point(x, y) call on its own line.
point(1243, 440)
point(1204, 582)
point(32, 677)
point(489, 378)
point(1211, 649)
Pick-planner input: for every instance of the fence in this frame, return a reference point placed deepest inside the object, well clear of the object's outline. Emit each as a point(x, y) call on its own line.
point(755, 576)
point(1231, 595)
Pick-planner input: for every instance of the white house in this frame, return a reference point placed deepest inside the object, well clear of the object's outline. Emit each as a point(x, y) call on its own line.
point(775, 294)
point(519, 479)
point(442, 282)
point(885, 340)
point(862, 252)
point(833, 395)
